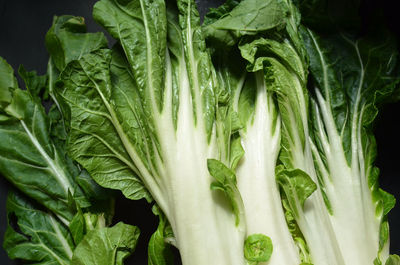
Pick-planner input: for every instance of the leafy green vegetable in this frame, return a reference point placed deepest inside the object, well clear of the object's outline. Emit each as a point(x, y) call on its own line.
point(36, 85)
point(69, 204)
point(393, 260)
point(252, 133)
point(143, 119)
point(257, 248)
point(226, 182)
point(283, 62)
point(29, 151)
point(251, 97)
point(68, 40)
point(297, 186)
point(37, 236)
point(106, 245)
point(159, 250)
point(246, 18)
point(283, 57)
point(352, 77)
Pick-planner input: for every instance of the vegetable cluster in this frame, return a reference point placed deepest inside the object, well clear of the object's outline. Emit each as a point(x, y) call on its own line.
point(251, 133)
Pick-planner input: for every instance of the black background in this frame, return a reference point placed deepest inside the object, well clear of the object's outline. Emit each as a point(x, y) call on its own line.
point(23, 25)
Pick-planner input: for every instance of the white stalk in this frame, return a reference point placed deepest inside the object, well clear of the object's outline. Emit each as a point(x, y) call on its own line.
point(314, 220)
point(257, 183)
point(354, 222)
point(202, 220)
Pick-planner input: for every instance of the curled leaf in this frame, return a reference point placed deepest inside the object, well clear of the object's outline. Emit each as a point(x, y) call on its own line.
point(258, 248)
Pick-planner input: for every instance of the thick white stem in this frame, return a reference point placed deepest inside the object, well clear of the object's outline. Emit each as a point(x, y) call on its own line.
point(314, 221)
point(354, 222)
point(257, 184)
point(202, 219)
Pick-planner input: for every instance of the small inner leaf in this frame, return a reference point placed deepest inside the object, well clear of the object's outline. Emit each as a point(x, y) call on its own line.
point(258, 248)
point(226, 182)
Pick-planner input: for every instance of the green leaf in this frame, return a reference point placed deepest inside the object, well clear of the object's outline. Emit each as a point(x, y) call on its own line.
point(258, 248)
point(34, 235)
point(8, 79)
point(383, 234)
point(230, 74)
point(297, 186)
point(370, 69)
point(58, 130)
point(220, 172)
point(388, 201)
point(82, 223)
point(86, 88)
point(236, 152)
point(106, 246)
point(252, 98)
point(67, 40)
point(295, 231)
point(216, 13)
point(198, 65)
point(159, 251)
point(140, 27)
point(32, 161)
point(281, 55)
point(393, 260)
point(77, 227)
point(36, 85)
point(226, 182)
point(7, 83)
point(261, 50)
point(351, 78)
point(286, 77)
point(143, 115)
point(246, 18)
point(93, 191)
